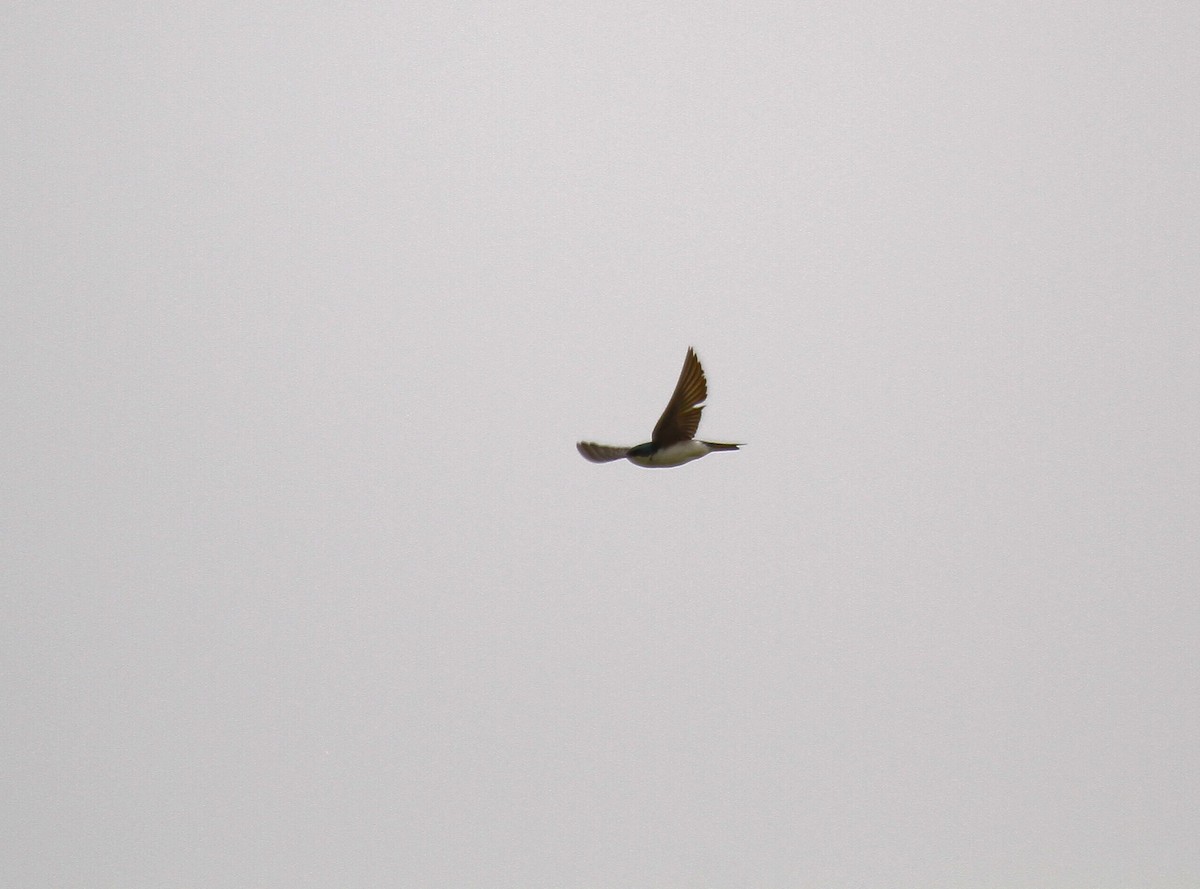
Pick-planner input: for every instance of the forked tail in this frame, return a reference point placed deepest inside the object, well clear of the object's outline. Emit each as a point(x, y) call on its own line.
point(719, 446)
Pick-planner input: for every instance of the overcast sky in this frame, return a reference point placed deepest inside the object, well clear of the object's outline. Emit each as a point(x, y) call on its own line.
point(304, 583)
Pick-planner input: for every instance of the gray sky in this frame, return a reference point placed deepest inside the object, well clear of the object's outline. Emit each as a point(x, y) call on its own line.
point(304, 583)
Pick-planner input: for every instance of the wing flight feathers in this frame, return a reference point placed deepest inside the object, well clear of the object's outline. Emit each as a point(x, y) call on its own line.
point(599, 453)
point(681, 419)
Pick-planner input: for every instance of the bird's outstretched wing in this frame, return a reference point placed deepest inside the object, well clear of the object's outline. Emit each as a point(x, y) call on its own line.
point(599, 453)
point(682, 416)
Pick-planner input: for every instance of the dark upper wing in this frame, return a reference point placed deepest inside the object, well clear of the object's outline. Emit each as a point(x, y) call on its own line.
point(599, 453)
point(682, 416)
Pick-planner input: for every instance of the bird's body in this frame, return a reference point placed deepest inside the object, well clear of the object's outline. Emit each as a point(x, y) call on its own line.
point(675, 454)
point(673, 442)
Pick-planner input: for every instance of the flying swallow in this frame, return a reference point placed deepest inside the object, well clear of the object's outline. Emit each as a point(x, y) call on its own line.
point(673, 441)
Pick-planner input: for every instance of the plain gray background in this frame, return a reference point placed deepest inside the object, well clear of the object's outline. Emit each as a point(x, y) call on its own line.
point(304, 583)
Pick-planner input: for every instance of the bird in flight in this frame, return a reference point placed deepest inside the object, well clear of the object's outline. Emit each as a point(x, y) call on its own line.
point(673, 441)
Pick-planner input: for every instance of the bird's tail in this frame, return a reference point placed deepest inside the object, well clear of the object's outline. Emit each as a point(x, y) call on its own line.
point(719, 446)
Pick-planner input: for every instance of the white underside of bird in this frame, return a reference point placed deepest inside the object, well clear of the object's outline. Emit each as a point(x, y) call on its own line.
point(673, 455)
